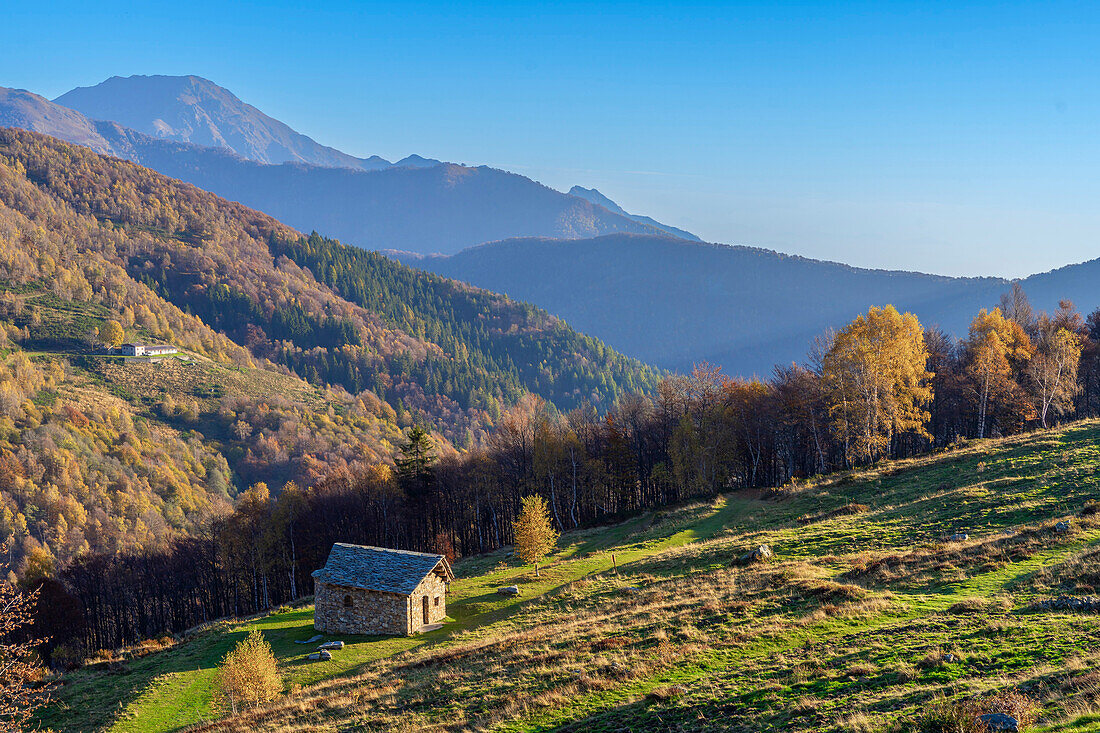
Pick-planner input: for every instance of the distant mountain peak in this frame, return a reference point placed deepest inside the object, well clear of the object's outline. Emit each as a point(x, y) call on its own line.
point(417, 161)
point(414, 204)
point(593, 196)
point(193, 109)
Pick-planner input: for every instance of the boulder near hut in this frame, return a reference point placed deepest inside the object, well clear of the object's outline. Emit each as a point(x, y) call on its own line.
point(375, 590)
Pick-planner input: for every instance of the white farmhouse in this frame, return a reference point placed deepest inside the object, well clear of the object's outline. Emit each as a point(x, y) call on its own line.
point(148, 349)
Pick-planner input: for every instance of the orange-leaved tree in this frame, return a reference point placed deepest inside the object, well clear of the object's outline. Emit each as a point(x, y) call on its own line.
point(995, 353)
point(20, 667)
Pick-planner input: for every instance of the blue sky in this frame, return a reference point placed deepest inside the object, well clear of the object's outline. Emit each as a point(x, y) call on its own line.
point(946, 137)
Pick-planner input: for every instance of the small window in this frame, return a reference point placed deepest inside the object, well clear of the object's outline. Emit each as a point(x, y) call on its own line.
point(347, 601)
point(437, 600)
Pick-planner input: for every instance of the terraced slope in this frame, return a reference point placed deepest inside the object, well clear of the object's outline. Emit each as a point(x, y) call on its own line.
point(868, 614)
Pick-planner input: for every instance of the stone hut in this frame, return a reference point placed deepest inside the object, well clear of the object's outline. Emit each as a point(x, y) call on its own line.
point(374, 590)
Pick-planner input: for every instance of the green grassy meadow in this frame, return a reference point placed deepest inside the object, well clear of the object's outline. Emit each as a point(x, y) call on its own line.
point(867, 616)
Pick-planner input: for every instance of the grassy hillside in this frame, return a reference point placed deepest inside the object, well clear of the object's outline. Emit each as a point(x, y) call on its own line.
point(868, 614)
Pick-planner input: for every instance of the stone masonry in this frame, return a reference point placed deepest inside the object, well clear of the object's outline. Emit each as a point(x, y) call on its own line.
point(435, 590)
point(372, 590)
point(339, 610)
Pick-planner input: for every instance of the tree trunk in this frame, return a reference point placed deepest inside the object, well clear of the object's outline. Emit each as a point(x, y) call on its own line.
point(554, 500)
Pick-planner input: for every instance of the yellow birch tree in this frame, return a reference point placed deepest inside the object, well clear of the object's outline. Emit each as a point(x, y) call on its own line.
point(112, 333)
point(878, 382)
point(995, 344)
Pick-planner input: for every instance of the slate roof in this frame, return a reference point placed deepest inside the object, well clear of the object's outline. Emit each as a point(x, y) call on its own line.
point(379, 568)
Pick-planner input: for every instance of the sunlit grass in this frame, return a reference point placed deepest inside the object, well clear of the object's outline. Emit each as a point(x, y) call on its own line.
point(864, 618)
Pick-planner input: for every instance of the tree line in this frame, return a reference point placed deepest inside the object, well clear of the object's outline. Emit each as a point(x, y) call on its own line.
point(882, 387)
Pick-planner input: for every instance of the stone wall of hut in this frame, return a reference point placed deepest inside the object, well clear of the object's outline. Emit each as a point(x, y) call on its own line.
point(435, 590)
point(341, 610)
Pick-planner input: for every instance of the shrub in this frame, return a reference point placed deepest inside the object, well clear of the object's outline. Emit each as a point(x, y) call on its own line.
point(1014, 703)
point(249, 675)
point(67, 657)
point(975, 605)
point(962, 716)
point(946, 716)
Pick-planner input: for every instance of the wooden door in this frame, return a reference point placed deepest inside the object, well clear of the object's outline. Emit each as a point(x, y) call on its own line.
point(425, 599)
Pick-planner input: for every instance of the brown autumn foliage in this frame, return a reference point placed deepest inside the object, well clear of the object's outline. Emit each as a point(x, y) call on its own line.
point(21, 674)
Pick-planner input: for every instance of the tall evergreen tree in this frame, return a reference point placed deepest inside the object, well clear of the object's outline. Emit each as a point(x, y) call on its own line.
point(416, 460)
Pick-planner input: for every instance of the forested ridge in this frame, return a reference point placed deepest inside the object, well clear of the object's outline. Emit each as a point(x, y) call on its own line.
point(225, 263)
point(285, 380)
point(492, 345)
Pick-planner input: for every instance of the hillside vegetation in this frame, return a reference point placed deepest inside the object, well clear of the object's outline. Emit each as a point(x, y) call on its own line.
point(875, 614)
point(224, 263)
point(285, 379)
point(109, 455)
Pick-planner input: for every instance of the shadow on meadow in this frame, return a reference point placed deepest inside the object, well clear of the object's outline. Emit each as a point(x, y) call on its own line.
point(101, 690)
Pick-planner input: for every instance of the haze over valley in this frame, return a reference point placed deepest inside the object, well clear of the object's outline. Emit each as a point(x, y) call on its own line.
point(624, 278)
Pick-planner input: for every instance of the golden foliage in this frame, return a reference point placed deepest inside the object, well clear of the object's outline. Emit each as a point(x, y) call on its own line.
point(878, 381)
point(995, 351)
point(112, 333)
point(20, 667)
point(535, 537)
point(249, 675)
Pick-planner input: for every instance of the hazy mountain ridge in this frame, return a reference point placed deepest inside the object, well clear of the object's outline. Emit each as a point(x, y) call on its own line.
point(676, 303)
point(414, 204)
point(596, 197)
point(442, 209)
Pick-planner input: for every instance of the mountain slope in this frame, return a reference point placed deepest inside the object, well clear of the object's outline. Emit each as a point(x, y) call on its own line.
point(411, 205)
point(675, 303)
point(441, 209)
point(595, 197)
point(195, 110)
point(104, 454)
point(285, 378)
point(28, 111)
point(227, 264)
